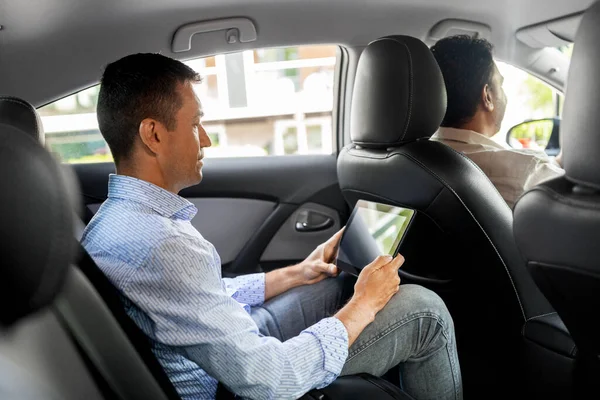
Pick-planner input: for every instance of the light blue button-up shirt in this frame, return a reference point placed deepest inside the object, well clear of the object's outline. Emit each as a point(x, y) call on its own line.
point(198, 322)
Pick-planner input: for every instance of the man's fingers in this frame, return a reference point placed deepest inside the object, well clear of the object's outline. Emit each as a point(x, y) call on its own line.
point(329, 269)
point(332, 269)
point(379, 262)
point(330, 246)
point(335, 239)
point(397, 262)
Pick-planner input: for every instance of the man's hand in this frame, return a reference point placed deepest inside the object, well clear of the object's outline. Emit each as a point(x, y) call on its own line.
point(315, 268)
point(559, 159)
point(376, 285)
point(378, 282)
point(318, 265)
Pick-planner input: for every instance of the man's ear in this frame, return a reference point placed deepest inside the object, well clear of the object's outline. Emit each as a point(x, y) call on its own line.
point(151, 133)
point(487, 98)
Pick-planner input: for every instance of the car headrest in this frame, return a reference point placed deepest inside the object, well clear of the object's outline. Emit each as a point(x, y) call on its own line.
point(399, 93)
point(580, 127)
point(36, 228)
point(22, 115)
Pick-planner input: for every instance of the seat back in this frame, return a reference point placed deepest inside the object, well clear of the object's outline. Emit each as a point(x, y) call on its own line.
point(461, 242)
point(132, 360)
point(557, 224)
point(105, 354)
point(38, 358)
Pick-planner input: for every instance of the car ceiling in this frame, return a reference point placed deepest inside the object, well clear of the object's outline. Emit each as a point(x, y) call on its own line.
point(50, 48)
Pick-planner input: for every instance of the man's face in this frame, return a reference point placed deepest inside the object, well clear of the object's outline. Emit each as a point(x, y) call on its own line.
point(187, 141)
point(499, 98)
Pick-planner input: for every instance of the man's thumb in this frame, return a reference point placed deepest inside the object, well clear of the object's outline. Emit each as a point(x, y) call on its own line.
point(327, 268)
point(331, 269)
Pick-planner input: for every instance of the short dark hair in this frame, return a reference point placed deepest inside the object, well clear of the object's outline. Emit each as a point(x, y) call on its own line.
point(137, 87)
point(467, 65)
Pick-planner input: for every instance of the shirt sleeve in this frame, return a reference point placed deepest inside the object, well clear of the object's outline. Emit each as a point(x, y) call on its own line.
point(540, 170)
point(180, 289)
point(247, 289)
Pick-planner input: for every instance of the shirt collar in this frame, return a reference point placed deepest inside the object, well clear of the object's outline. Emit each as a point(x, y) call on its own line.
point(466, 136)
point(160, 200)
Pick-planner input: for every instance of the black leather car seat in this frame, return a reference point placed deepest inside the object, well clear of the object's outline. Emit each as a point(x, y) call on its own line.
point(38, 358)
point(78, 347)
point(461, 243)
point(18, 113)
point(557, 224)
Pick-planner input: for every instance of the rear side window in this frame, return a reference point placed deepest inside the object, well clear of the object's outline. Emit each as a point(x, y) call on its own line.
point(256, 103)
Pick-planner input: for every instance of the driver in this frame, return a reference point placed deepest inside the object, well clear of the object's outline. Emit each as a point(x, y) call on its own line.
point(476, 106)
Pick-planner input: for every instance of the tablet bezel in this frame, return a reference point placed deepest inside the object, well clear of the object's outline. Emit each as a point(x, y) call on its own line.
point(351, 269)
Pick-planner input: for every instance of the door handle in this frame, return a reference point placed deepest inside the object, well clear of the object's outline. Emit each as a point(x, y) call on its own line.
point(238, 30)
point(312, 221)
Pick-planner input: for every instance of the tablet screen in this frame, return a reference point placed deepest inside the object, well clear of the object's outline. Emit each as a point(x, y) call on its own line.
point(373, 229)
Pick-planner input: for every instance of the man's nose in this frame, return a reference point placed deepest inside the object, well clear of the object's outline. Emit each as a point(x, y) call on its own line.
point(204, 138)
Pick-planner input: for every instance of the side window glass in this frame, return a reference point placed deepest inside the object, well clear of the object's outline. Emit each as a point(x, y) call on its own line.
point(531, 109)
point(256, 103)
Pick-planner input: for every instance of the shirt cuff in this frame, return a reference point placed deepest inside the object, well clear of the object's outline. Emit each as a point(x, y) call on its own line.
point(247, 289)
point(333, 337)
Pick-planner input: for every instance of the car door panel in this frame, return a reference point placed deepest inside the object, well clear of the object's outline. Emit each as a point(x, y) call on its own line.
point(218, 218)
point(248, 207)
point(290, 244)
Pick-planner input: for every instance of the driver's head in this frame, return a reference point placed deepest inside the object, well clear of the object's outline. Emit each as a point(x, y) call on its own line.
point(150, 117)
point(476, 99)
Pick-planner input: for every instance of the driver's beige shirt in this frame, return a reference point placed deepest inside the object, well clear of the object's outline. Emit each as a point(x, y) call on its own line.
point(511, 171)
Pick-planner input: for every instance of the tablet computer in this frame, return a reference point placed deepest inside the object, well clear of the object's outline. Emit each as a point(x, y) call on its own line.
point(373, 229)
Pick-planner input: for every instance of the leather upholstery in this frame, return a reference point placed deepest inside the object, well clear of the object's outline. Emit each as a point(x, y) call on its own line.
point(463, 228)
point(550, 332)
point(448, 188)
point(37, 355)
point(358, 387)
point(21, 115)
point(581, 119)
point(557, 224)
point(99, 347)
point(37, 220)
point(399, 93)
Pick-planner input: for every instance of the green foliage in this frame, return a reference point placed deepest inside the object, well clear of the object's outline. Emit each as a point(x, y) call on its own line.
point(534, 131)
point(214, 139)
point(541, 97)
point(94, 158)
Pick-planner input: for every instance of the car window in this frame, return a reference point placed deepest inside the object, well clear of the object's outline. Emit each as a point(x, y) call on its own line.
point(528, 98)
point(256, 103)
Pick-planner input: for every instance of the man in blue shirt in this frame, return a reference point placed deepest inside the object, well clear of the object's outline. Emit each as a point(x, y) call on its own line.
point(264, 336)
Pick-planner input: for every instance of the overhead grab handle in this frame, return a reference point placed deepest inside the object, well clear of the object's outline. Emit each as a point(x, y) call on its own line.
point(237, 30)
point(450, 27)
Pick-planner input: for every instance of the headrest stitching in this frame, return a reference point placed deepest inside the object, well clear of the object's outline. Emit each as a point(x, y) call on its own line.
point(410, 90)
point(565, 200)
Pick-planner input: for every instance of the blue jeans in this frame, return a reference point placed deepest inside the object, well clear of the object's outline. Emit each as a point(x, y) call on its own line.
point(414, 331)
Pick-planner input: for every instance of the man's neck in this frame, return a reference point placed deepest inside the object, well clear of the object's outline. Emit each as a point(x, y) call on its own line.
point(145, 174)
point(480, 125)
